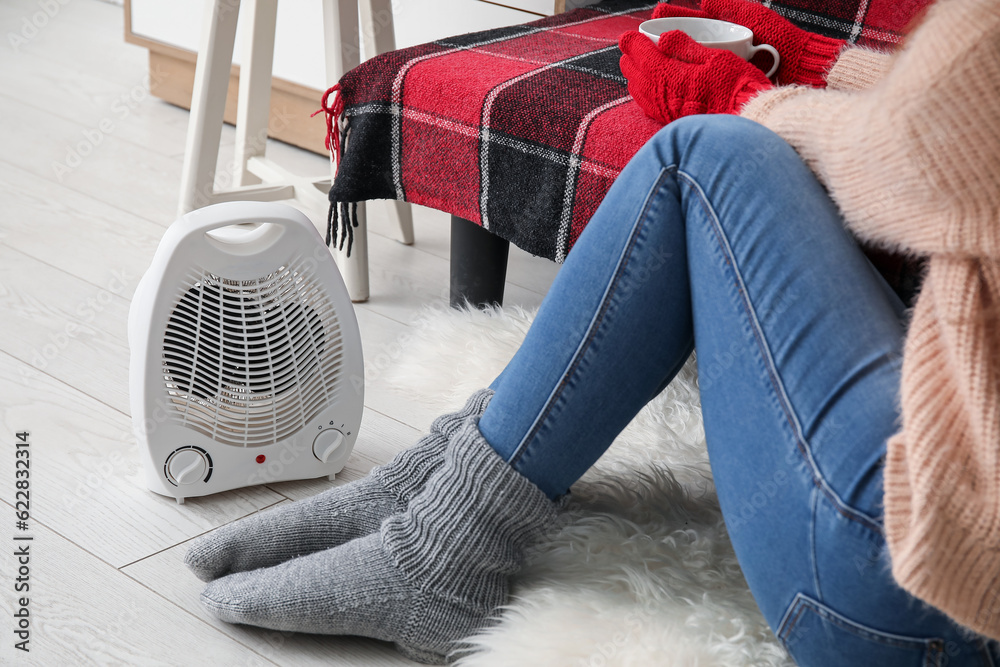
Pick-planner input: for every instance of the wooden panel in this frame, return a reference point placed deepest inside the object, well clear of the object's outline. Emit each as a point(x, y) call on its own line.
point(94, 161)
point(166, 574)
point(63, 228)
point(64, 327)
point(83, 612)
point(291, 104)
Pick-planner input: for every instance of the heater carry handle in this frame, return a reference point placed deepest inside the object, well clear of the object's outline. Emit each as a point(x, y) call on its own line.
point(226, 214)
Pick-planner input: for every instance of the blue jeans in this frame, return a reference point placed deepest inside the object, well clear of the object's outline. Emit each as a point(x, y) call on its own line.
point(717, 236)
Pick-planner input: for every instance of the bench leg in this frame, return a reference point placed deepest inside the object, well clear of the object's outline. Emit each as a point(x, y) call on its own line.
point(478, 265)
point(354, 269)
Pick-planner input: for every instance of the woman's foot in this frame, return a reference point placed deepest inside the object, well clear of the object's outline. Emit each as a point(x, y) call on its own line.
point(431, 576)
point(333, 517)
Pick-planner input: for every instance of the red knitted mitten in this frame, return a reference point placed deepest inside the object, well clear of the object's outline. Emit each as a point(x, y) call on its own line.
point(680, 77)
point(805, 56)
point(665, 10)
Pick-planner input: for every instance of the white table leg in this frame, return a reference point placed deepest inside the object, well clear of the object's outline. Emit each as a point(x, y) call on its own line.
point(376, 19)
point(208, 103)
point(402, 213)
point(341, 37)
point(253, 108)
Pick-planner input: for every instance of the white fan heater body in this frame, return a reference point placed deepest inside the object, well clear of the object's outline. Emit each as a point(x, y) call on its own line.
point(246, 364)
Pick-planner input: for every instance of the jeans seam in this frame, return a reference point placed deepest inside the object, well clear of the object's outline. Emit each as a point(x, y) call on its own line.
point(933, 646)
point(595, 322)
point(774, 377)
point(814, 502)
point(792, 615)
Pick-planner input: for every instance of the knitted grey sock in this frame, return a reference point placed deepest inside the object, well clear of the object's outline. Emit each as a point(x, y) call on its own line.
point(332, 517)
point(433, 575)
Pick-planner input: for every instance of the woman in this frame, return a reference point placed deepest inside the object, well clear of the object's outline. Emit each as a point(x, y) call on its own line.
point(736, 239)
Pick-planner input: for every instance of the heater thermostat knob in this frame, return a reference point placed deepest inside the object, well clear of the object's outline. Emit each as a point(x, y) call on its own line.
point(187, 466)
point(327, 443)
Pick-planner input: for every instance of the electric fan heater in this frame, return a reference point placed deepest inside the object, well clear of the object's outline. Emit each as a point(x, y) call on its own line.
point(246, 363)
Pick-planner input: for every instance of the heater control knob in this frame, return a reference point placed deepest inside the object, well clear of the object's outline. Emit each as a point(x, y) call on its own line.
point(187, 466)
point(327, 443)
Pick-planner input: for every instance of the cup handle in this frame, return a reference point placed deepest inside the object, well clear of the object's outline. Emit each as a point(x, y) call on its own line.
point(774, 54)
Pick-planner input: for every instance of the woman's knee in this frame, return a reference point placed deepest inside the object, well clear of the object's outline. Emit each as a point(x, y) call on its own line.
point(719, 136)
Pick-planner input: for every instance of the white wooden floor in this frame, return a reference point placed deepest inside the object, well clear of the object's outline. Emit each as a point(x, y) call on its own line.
point(107, 585)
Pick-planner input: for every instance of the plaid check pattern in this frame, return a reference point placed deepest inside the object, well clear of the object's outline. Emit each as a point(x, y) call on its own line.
point(523, 129)
point(878, 24)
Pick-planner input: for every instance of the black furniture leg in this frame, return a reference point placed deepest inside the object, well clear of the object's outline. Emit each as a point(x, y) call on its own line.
point(478, 265)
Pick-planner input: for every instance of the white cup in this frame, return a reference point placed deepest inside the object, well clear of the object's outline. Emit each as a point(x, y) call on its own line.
point(712, 33)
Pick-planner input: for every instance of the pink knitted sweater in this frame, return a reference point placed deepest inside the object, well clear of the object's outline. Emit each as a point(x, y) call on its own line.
point(912, 158)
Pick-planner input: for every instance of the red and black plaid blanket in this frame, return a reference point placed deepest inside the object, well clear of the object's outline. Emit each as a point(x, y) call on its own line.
point(523, 129)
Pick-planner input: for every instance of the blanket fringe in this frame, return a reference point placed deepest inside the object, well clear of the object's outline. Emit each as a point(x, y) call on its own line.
point(332, 104)
point(340, 223)
point(333, 110)
point(331, 221)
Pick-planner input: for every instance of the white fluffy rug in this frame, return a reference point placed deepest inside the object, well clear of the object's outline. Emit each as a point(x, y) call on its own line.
point(642, 572)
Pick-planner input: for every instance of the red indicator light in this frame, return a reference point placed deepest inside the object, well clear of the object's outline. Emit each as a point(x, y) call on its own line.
point(261, 458)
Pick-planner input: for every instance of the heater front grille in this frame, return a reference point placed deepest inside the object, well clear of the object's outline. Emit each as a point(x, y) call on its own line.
point(250, 362)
